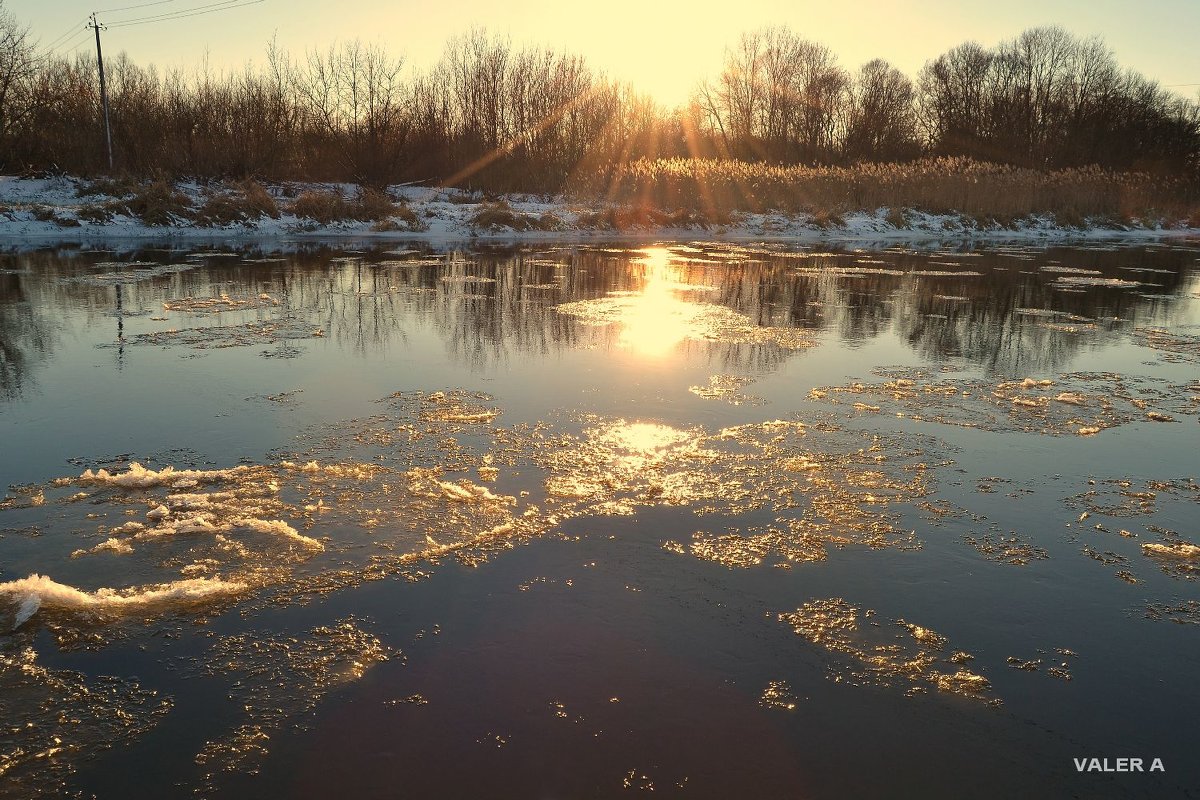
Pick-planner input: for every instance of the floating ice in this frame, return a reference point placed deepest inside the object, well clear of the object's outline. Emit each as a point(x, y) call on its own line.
point(727, 388)
point(1076, 281)
point(1174, 550)
point(40, 591)
point(878, 659)
point(138, 477)
point(56, 719)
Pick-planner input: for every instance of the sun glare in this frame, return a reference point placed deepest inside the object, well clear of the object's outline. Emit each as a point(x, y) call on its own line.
point(656, 319)
point(643, 438)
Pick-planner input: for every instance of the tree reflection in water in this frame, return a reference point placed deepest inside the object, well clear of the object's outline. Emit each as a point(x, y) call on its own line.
point(492, 305)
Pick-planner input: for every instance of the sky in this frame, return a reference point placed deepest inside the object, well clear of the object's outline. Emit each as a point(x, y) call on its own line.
point(662, 47)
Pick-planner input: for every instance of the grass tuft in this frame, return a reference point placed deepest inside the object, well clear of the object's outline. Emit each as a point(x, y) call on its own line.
point(158, 203)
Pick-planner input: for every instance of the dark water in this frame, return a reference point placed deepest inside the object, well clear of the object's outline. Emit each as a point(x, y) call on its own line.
point(643, 542)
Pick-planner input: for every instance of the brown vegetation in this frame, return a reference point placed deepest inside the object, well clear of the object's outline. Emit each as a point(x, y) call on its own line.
point(501, 215)
point(330, 205)
point(157, 203)
point(624, 218)
point(243, 203)
point(939, 185)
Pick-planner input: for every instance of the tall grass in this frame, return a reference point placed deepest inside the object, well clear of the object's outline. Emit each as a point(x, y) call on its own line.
point(939, 185)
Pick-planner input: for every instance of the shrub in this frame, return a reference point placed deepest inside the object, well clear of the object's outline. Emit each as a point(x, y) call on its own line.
point(157, 203)
point(329, 205)
point(248, 201)
point(897, 218)
point(372, 205)
point(323, 206)
point(501, 215)
point(95, 213)
point(109, 187)
point(48, 214)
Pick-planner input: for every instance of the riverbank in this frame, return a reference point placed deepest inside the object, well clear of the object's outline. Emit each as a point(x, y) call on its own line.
point(71, 209)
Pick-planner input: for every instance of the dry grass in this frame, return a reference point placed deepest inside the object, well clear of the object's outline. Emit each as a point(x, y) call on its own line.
point(642, 216)
point(501, 215)
point(47, 214)
point(896, 218)
point(402, 218)
point(244, 203)
point(824, 218)
point(937, 185)
point(157, 203)
point(94, 213)
point(372, 205)
point(330, 205)
point(108, 187)
point(323, 206)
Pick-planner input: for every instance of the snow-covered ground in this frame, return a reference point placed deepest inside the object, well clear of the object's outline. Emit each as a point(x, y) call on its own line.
point(42, 209)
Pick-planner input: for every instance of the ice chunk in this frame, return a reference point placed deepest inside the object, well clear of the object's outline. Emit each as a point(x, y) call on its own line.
point(1175, 550)
point(29, 606)
point(138, 477)
point(36, 591)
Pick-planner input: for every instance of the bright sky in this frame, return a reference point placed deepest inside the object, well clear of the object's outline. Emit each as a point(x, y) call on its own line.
point(662, 47)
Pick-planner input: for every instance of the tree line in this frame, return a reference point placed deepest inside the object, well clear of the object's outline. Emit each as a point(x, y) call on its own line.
point(1043, 100)
point(491, 115)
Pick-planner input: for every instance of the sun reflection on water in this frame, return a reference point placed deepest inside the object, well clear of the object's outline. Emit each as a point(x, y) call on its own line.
point(643, 441)
point(656, 319)
point(664, 312)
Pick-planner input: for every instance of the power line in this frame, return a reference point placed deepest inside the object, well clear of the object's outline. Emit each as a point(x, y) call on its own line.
point(195, 11)
point(130, 8)
point(71, 44)
point(158, 15)
point(51, 44)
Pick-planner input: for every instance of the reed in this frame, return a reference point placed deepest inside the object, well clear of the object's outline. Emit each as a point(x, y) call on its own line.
point(982, 190)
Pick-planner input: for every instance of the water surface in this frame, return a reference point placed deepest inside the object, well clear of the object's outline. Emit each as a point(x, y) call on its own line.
point(705, 519)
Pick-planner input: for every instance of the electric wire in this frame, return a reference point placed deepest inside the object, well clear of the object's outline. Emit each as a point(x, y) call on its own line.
point(195, 11)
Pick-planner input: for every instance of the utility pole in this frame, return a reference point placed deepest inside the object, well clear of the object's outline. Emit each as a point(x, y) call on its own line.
point(96, 26)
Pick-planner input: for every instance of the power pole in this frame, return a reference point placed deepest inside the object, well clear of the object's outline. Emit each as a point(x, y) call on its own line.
point(96, 26)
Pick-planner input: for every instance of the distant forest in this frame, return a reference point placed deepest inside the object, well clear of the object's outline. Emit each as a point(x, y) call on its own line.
point(490, 115)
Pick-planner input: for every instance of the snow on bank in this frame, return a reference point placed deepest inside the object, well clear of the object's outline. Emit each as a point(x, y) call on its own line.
point(38, 591)
point(51, 209)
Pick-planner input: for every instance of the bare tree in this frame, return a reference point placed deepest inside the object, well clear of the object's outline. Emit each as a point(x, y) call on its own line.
point(18, 74)
point(881, 121)
point(778, 97)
